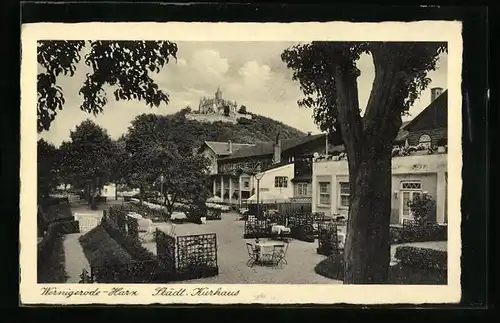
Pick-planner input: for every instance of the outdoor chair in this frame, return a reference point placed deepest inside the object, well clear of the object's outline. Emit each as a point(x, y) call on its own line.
point(279, 255)
point(252, 255)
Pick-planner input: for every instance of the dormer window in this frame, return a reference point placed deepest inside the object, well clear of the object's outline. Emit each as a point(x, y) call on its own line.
point(425, 140)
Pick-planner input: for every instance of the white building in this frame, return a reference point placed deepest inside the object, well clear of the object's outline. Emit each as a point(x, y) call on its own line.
point(411, 175)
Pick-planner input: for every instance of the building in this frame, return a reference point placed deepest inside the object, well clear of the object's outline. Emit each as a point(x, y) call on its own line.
point(213, 150)
point(217, 104)
point(109, 191)
point(285, 166)
point(419, 166)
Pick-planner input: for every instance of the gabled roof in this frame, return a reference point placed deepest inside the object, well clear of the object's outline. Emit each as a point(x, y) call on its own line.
point(267, 148)
point(222, 148)
point(434, 116)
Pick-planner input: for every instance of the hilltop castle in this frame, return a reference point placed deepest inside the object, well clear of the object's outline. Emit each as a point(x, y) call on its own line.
point(216, 104)
point(212, 110)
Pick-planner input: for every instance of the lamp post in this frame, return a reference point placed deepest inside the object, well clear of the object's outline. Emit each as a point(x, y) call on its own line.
point(258, 176)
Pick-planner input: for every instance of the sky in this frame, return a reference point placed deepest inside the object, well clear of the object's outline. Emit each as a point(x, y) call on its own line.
point(250, 73)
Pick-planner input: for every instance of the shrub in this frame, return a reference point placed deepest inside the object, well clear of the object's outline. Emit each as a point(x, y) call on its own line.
point(51, 268)
point(402, 273)
point(242, 110)
point(101, 250)
point(428, 232)
point(131, 244)
point(422, 207)
point(423, 258)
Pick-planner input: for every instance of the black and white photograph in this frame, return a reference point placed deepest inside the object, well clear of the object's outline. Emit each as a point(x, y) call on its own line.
point(203, 164)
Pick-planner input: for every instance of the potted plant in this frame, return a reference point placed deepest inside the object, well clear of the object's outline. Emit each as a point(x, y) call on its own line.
point(441, 145)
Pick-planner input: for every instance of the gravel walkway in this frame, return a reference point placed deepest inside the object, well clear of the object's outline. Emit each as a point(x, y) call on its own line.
point(232, 257)
point(75, 260)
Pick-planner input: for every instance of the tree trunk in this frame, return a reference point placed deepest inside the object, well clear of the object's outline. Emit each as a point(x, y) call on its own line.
point(367, 249)
point(141, 194)
point(93, 204)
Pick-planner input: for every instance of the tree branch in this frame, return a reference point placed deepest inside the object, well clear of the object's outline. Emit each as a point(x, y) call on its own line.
point(348, 111)
point(382, 117)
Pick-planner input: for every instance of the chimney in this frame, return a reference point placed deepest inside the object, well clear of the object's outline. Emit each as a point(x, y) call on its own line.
point(277, 150)
point(435, 92)
point(230, 147)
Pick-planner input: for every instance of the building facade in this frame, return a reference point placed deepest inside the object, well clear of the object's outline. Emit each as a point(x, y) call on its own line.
point(283, 164)
point(417, 174)
point(419, 166)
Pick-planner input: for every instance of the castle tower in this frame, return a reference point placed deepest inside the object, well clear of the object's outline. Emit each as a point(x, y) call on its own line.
point(218, 94)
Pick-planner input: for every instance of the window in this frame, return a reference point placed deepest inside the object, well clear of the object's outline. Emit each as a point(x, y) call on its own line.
point(409, 190)
point(246, 184)
point(302, 189)
point(324, 193)
point(425, 140)
point(411, 186)
point(280, 181)
point(344, 192)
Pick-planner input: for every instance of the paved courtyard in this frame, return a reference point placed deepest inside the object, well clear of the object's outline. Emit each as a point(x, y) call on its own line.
point(232, 253)
point(232, 257)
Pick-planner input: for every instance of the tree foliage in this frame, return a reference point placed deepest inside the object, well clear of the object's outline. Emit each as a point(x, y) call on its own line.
point(317, 65)
point(123, 64)
point(48, 164)
point(155, 152)
point(327, 74)
point(242, 109)
point(87, 159)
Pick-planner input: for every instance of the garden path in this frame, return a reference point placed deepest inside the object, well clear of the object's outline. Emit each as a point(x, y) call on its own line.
point(75, 260)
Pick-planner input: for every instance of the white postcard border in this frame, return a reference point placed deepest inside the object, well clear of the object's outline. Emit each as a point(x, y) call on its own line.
point(33, 293)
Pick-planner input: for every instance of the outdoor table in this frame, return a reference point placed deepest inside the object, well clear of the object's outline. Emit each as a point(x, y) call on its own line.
point(135, 215)
point(280, 229)
point(265, 249)
point(178, 216)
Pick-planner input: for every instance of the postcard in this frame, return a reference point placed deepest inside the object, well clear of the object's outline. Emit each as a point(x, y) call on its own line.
point(241, 163)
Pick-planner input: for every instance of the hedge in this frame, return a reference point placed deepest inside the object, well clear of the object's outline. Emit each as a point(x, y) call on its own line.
point(45, 247)
point(423, 258)
point(431, 232)
point(56, 210)
point(130, 243)
point(406, 272)
point(102, 250)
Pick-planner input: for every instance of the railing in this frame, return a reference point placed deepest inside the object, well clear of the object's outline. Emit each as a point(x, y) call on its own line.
point(87, 221)
point(132, 272)
point(188, 257)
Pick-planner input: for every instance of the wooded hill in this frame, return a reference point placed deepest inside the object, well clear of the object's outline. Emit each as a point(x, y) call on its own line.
point(259, 129)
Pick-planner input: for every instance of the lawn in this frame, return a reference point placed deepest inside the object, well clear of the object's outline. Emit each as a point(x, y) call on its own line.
point(52, 270)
